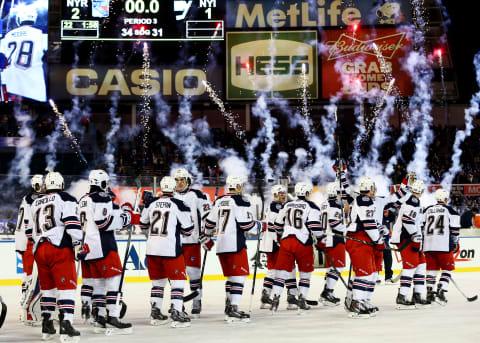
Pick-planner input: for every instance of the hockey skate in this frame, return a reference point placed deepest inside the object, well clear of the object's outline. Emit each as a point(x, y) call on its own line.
point(302, 305)
point(236, 316)
point(328, 299)
point(275, 303)
point(85, 311)
point(357, 310)
point(266, 301)
point(156, 317)
point(347, 302)
point(404, 304)
point(100, 324)
point(116, 327)
point(419, 302)
point(196, 308)
point(48, 330)
point(67, 331)
point(372, 309)
point(292, 302)
point(430, 295)
point(227, 308)
point(179, 320)
point(440, 297)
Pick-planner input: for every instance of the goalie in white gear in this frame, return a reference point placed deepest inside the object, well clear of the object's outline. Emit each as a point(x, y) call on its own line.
point(199, 205)
point(441, 228)
point(101, 265)
point(30, 287)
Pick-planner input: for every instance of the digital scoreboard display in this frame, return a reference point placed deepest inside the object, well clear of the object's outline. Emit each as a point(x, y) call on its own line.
point(147, 20)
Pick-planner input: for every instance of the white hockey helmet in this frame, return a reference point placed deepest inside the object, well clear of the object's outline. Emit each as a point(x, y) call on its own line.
point(302, 188)
point(278, 189)
point(37, 182)
point(182, 173)
point(442, 195)
point(332, 189)
point(99, 178)
point(168, 184)
point(54, 181)
point(418, 187)
point(366, 184)
point(235, 180)
point(26, 14)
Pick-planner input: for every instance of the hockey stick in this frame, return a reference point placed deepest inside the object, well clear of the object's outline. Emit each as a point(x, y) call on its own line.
point(469, 299)
point(260, 193)
point(335, 268)
point(3, 312)
point(369, 243)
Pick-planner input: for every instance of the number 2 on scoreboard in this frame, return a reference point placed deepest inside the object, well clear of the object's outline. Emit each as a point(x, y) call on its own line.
point(75, 13)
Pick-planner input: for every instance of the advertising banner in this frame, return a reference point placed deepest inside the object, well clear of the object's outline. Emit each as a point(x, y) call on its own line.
point(351, 64)
point(277, 64)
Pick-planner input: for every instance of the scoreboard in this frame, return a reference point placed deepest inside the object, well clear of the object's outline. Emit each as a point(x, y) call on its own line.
point(146, 20)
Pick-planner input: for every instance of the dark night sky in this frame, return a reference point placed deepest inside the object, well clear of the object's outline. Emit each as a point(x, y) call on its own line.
point(464, 40)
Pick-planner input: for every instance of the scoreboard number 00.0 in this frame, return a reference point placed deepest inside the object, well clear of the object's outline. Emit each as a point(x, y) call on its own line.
point(138, 6)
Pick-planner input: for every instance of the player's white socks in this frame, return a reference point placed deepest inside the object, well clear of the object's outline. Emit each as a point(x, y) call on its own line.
point(228, 286)
point(445, 279)
point(279, 281)
point(176, 294)
point(291, 282)
point(111, 285)
point(431, 278)
point(87, 290)
point(268, 280)
point(66, 303)
point(48, 301)
point(331, 277)
point(362, 287)
point(194, 275)
point(304, 284)
point(99, 299)
point(156, 295)
point(236, 288)
point(406, 280)
point(419, 279)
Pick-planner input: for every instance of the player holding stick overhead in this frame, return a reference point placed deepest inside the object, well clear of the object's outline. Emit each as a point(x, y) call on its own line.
point(53, 222)
point(296, 222)
point(100, 252)
point(199, 205)
point(166, 218)
point(232, 218)
point(441, 230)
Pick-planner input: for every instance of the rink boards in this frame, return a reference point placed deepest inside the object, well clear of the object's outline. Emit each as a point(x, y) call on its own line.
point(466, 260)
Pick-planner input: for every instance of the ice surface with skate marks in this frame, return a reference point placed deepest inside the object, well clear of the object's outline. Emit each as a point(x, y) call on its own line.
point(458, 321)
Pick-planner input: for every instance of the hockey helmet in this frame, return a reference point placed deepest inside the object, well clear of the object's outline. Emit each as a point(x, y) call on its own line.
point(54, 181)
point(37, 182)
point(442, 195)
point(168, 184)
point(99, 178)
point(26, 14)
point(332, 189)
point(366, 184)
point(235, 180)
point(418, 187)
point(278, 189)
point(302, 188)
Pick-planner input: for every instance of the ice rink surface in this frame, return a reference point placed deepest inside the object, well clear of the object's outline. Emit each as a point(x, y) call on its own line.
point(458, 322)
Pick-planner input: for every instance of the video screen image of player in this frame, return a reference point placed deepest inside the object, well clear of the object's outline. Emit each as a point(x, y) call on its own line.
point(23, 49)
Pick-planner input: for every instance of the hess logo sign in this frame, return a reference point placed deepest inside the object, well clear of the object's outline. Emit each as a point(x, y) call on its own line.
point(279, 64)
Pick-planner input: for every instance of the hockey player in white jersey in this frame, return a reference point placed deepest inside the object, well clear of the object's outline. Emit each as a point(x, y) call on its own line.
point(334, 246)
point(166, 218)
point(441, 230)
point(53, 222)
point(30, 287)
point(25, 47)
point(231, 217)
point(296, 222)
point(407, 227)
point(270, 245)
point(199, 205)
point(101, 217)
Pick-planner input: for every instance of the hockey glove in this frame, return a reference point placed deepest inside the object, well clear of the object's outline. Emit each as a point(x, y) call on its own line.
point(132, 218)
point(416, 242)
point(339, 165)
point(206, 241)
point(322, 242)
point(383, 230)
point(82, 252)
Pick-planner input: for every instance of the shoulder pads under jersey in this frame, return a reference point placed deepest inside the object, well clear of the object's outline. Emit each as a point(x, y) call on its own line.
point(100, 197)
point(312, 205)
point(275, 206)
point(413, 201)
point(149, 202)
point(334, 203)
point(66, 197)
point(30, 198)
point(451, 210)
point(240, 201)
point(199, 193)
point(364, 200)
point(181, 205)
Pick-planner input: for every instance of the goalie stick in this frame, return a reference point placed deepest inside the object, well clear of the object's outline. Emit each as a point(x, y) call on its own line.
point(469, 299)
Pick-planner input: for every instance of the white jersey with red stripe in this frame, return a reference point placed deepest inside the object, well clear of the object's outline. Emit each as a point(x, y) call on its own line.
point(363, 217)
point(332, 222)
point(269, 241)
point(166, 218)
point(199, 205)
point(299, 218)
point(408, 220)
point(441, 228)
point(54, 217)
point(103, 217)
point(231, 216)
point(21, 239)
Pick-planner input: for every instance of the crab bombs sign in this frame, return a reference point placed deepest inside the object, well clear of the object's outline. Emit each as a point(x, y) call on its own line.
point(277, 64)
point(351, 64)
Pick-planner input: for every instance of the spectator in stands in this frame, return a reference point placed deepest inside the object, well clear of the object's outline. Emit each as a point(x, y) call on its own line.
point(468, 217)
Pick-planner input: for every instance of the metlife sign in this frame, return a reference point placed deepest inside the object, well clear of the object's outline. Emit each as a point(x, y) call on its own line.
point(276, 64)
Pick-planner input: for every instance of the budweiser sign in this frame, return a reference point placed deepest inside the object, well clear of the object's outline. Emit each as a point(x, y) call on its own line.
point(354, 63)
point(347, 45)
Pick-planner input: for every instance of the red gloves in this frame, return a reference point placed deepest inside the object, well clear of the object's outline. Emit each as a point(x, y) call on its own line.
point(134, 217)
point(83, 252)
point(206, 241)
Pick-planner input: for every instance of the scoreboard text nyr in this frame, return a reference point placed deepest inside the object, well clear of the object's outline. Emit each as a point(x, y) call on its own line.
point(147, 20)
